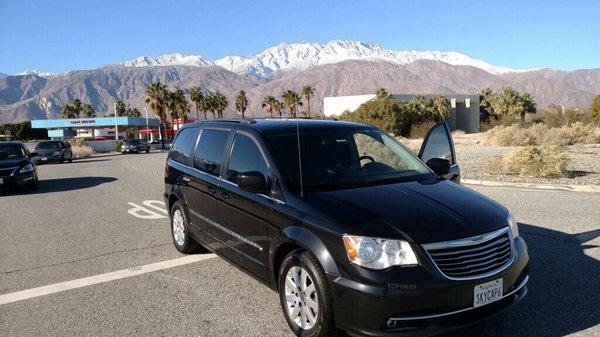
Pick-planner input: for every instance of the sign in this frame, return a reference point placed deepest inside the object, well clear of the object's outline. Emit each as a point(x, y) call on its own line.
point(83, 121)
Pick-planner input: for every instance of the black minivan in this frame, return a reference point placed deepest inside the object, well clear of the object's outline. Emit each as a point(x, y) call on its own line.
point(355, 232)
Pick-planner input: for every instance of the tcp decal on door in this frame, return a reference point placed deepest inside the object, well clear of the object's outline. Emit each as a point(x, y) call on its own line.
point(151, 209)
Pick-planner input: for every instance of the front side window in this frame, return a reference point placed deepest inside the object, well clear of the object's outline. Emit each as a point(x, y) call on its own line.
point(184, 143)
point(245, 157)
point(344, 158)
point(210, 151)
point(437, 145)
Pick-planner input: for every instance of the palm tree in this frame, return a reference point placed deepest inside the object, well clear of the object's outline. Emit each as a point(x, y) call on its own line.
point(88, 111)
point(121, 108)
point(155, 96)
point(178, 105)
point(308, 92)
point(219, 102)
point(241, 102)
point(292, 100)
point(278, 107)
point(210, 105)
point(72, 109)
point(270, 103)
point(197, 96)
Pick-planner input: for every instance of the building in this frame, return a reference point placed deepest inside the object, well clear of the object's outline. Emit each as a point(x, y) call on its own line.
point(464, 109)
point(96, 128)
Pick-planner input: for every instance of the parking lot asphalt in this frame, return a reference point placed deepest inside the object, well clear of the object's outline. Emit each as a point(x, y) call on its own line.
point(97, 216)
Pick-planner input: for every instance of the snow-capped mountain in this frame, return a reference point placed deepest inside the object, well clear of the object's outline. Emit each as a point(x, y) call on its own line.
point(35, 72)
point(288, 56)
point(174, 59)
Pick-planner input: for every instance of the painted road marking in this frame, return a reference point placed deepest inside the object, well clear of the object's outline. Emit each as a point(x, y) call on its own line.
point(101, 278)
point(148, 212)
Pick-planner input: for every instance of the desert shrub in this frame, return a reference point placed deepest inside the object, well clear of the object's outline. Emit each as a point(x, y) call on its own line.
point(81, 151)
point(531, 161)
point(513, 135)
point(541, 134)
point(458, 132)
point(80, 148)
point(420, 130)
point(118, 145)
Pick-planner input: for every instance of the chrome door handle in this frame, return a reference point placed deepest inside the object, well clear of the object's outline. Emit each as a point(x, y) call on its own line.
point(186, 179)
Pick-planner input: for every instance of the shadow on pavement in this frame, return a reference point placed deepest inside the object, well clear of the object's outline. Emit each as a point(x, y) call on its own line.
point(564, 289)
point(62, 185)
point(83, 161)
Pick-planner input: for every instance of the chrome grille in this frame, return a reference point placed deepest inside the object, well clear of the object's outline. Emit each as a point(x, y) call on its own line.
point(474, 257)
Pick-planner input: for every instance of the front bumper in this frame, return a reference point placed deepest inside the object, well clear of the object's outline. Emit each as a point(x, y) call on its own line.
point(130, 149)
point(18, 180)
point(424, 303)
point(41, 159)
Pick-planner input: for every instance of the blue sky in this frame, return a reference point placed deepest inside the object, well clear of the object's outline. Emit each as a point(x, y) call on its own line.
point(64, 35)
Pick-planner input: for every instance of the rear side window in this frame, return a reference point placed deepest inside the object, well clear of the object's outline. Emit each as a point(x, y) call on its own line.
point(245, 157)
point(184, 143)
point(210, 150)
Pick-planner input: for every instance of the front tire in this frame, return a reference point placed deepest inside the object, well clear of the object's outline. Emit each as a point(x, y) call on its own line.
point(180, 233)
point(305, 296)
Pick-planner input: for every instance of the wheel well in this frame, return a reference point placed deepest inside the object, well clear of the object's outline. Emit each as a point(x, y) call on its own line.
point(280, 254)
point(172, 200)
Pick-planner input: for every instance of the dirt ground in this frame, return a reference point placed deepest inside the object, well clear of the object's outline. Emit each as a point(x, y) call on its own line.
point(471, 154)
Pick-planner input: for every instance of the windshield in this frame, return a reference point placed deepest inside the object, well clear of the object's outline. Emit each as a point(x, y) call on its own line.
point(132, 142)
point(344, 158)
point(47, 146)
point(11, 151)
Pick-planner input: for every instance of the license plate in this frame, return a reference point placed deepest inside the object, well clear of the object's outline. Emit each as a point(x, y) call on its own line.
point(487, 293)
point(44, 158)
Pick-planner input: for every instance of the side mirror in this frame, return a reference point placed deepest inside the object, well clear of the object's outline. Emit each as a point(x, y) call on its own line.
point(33, 154)
point(440, 166)
point(253, 181)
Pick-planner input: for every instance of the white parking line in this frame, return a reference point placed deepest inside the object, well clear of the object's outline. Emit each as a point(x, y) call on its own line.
point(101, 278)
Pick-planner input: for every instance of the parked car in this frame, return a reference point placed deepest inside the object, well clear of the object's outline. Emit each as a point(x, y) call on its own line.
point(135, 145)
point(354, 231)
point(16, 167)
point(53, 151)
point(157, 144)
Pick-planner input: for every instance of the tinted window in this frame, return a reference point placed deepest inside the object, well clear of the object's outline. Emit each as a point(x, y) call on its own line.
point(48, 145)
point(210, 150)
point(12, 151)
point(245, 157)
point(132, 141)
point(184, 143)
point(438, 145)
point(344, 158)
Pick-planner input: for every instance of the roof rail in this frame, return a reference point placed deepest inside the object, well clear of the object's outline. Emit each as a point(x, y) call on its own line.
point(235, 120)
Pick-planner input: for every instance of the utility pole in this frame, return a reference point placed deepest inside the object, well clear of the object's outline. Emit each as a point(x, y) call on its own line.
point(116, 123)
point(147, 130)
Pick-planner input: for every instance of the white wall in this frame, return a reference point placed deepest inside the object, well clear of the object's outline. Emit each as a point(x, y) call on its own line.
point(335, 106)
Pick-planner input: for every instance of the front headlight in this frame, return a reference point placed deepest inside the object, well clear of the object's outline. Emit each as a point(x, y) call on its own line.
point(26, 168)
point(56, 153)
point(378, 254)
point(514, 228)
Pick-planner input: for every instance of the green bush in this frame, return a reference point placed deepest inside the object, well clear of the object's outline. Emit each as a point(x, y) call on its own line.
point(118, 145)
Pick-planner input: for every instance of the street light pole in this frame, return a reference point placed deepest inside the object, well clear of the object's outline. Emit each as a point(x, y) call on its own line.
point(147, 130)
point(116, 124)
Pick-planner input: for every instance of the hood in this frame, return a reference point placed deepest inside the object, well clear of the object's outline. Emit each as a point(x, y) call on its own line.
point(417, 212)
point(17, 162)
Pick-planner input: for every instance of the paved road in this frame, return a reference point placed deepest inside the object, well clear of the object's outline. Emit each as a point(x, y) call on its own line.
point(78, 225)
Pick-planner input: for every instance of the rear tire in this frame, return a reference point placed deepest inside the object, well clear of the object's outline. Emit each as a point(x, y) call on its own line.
point(180, 233)
point(62, 158)
point(148, 150)
point(305, 296)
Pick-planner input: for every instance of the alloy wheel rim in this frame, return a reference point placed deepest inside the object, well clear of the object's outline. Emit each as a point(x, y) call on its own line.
point(178, 228)
point(301, 298)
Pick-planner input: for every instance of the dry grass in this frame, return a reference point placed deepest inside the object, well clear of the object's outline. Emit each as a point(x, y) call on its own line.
point(531, 161)
point(81, 151)
point(541, 134)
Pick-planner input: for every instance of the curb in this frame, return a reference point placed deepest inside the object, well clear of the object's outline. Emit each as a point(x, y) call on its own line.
point(569, 188)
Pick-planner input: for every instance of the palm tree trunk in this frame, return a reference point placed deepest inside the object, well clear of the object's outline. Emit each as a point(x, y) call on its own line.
point(308, 103)
point(197, 113)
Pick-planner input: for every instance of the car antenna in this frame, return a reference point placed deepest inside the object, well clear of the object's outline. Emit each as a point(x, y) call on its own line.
point(299, 158)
